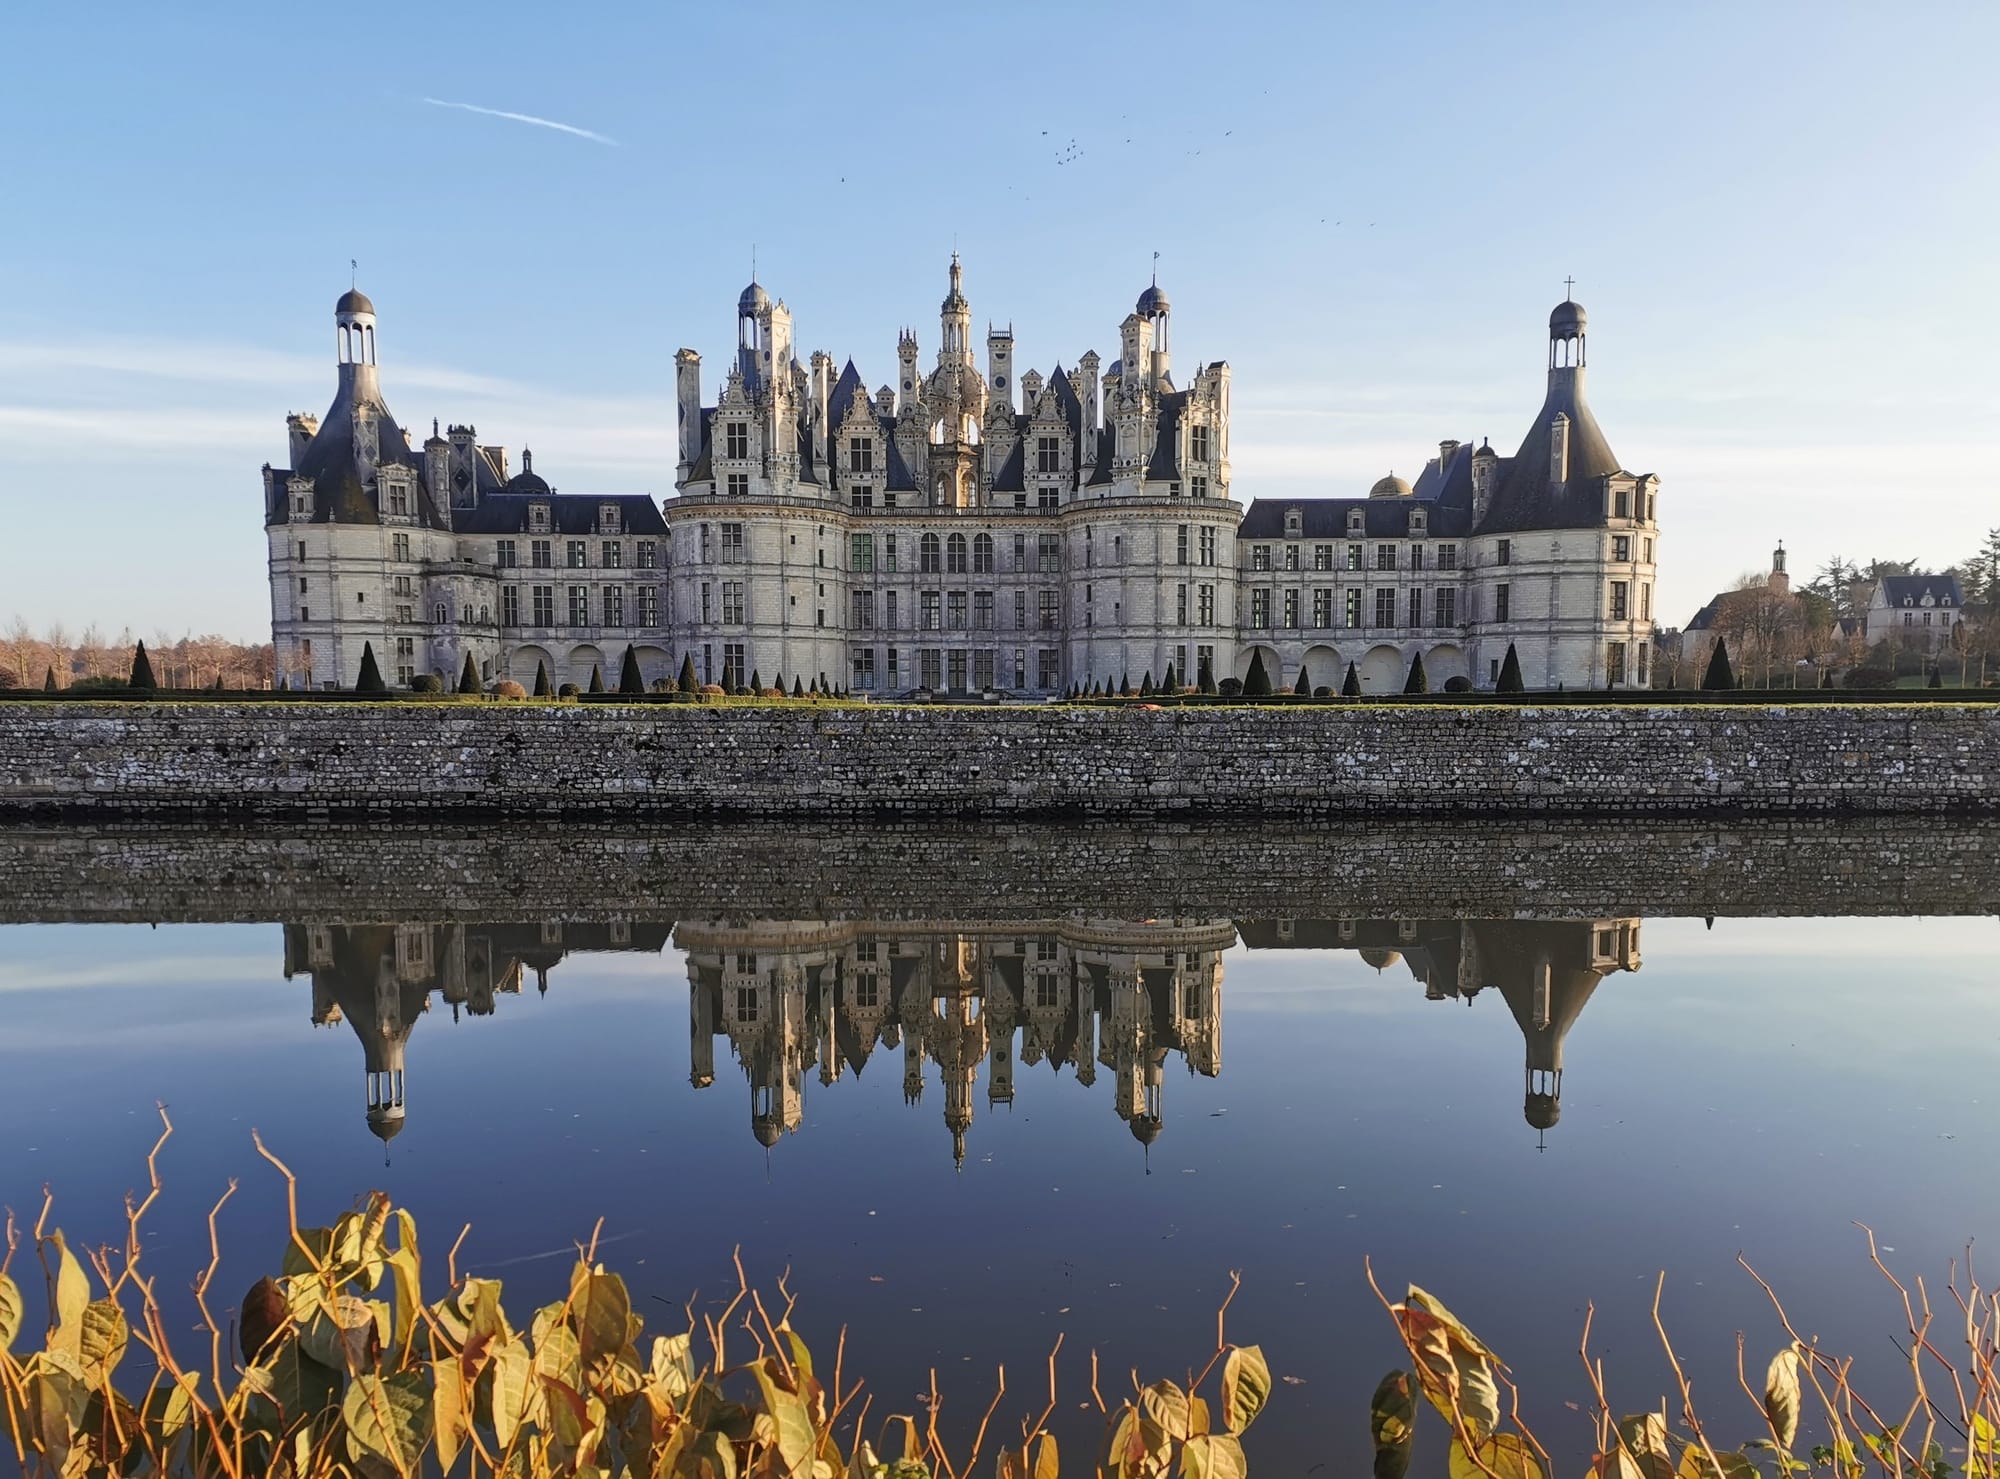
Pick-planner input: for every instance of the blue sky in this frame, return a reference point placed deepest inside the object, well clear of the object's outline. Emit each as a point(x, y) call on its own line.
point(1780, 218)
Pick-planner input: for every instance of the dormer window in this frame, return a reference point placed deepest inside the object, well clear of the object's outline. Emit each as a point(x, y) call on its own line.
point(538, 518)
point(736, 439)
point(1355, 520)
point(861, 454)
point(609, 518)
point(1294, 523)
point(1418, 521)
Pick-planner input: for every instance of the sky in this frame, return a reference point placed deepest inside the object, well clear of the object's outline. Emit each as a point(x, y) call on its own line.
point(1779, 217)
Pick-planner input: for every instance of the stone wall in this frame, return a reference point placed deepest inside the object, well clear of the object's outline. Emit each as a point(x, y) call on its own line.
point(971, 871)
point(407, 760)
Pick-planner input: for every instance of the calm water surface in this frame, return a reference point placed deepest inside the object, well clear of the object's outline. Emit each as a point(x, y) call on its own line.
point(964, 1138)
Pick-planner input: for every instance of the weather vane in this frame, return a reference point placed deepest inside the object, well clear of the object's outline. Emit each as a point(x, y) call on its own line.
point(353, 273)
point(1156, 269)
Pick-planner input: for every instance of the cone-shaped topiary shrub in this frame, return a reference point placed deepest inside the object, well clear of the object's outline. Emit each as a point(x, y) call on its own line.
point(688, 682)
point(1350, 686)
point(597, 678)
point(142, 672)
point(1720, 674)
point(543, 688)
point(370, 680)
point(49, 681)
point(1169, 684)
point(1205, 679)
point(1510, 673)
point(1419, 681)
point(1146, 684)
point(630, 679)
point(1257, 682)
point(798, 687)
point(468, 676)
point(756, 680)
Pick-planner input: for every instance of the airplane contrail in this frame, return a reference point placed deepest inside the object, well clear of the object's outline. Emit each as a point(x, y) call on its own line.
point(568, 128)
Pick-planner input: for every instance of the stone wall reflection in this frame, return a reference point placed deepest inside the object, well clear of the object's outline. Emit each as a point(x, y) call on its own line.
point(959, 1004)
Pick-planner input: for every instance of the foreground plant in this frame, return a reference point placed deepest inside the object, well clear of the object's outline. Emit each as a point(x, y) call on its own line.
point(347, 1370)
point(1471, 1389)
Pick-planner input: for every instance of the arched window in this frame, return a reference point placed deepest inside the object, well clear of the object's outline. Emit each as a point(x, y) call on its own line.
point(927, 554)
point(954, 554)
point(982, 554)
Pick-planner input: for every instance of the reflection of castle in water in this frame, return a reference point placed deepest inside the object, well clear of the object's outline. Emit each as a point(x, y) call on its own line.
point(379, 978)
point(1079, 995)
point(1544, 969)
point(800, 997)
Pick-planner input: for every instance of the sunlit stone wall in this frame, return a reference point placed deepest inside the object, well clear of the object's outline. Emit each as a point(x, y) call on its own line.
point(408, 760)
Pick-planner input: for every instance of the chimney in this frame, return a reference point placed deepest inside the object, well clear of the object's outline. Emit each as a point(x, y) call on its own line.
point(687, 408)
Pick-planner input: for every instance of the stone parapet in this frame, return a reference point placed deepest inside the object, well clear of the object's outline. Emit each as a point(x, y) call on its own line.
point(406, 761)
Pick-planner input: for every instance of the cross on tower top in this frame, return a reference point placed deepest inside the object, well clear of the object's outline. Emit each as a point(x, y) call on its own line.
point(1568, 283)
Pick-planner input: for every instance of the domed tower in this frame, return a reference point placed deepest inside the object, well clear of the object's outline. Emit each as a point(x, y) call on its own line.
point(1154, 311)
point(1566, 335)
point(1391, 487)
point(753, 349)
point(354, 344)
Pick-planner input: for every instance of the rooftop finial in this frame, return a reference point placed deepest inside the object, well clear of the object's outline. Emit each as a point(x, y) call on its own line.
point(1568, 284)
point(753, 261)
point(1156, 269)
point(353, 273)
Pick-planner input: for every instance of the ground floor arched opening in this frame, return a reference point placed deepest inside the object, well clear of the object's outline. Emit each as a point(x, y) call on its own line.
point(1383, 670)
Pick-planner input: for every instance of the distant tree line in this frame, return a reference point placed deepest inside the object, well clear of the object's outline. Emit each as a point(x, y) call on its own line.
point(56, 658)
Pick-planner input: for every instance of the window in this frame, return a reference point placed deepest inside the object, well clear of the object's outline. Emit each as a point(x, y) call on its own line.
point(860, 496)
point(1645, 609)
point(1048, 454)
point(1645, 665)
point(956, 662)
point(861, 458)
point(538, 518)
point(404, 586)
point(1197, 444)
point(649, 554)
point(1385, 557)
point(649, 606)
point(1205, 607)
point(732, 601)
point(1614, 663)
point(400, 546)
point(573, 555)
point(982, 554)
point(1198, 485)
point(1260, 608)
point(930, 667)
point(1446, 602)
point(954, 554)
point(864, 669)
point(861, 552)
point(1619, 594)
point(409, 613)
point(929, 559)
point(863, 615)
point(1385, 608)
point(609, 520)
point(738, 484)
point(889, 553)
point(614, 555)
point(1416, 557)
point(1322, 557)
point(1291, 557)
point(1447, 557)
point(1181, 546)
point(1353, 557)
point(1351, 616)
point(1503, 553)
point(1020, 667)
point(1020, 611)
point(736, 439)
point(579, 606)
point(889, 614)
point(1291, 608)
point(505, 555)
point(1621, 504)
point(930, 611)
point(1322, 609)
point(705, 616)
point(893, 671)
point(1048, 499)
point(1416, 607)
point(732, 667)
point(510, 605)
point(1501, 602)
point(1621, 547)
point(541, 554)
point(982, 668)
point(545, 605)
point(1048, 552)
point(732, 544)
point(1260, 557)
point(954, 610)
point(1208, 546)
point(1204, 658)
point(1045, 610)
point(982, 610)
point(1045, 668)
point(1649, 551)
point(614, 605)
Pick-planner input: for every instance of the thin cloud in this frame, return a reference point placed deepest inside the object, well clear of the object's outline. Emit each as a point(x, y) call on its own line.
point(568, 128)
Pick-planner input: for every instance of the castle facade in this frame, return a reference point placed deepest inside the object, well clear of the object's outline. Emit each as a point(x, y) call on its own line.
point(958, 531)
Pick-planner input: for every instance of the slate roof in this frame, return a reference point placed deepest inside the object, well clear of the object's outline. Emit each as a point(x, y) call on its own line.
point(1166, 466)
point(569, 513)
point(339, 495)
point(1911, 590)
point(1444, 493)
point(1012, 476)
point(1525, 499)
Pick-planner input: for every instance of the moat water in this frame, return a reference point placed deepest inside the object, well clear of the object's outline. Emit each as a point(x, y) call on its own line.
point(965, 1137)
